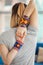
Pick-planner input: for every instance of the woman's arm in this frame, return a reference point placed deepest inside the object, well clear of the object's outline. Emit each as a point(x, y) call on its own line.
point(6, 55)
point(32, 13)
point(29, 9)
point(27, 12)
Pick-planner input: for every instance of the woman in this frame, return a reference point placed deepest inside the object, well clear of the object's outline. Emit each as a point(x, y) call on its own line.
point(26, 35)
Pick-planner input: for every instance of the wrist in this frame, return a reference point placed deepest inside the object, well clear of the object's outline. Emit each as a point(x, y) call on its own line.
point(18, 44)
point(24, 21)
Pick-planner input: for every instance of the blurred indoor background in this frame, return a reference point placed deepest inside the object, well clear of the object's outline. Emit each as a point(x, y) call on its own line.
point(5, 15)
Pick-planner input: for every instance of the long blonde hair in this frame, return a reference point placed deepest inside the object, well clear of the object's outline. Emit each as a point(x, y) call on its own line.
point(17, 13)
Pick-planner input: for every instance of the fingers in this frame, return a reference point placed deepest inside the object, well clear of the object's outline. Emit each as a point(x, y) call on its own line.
point(21, 30)
point(21, 33)
point(20, 38)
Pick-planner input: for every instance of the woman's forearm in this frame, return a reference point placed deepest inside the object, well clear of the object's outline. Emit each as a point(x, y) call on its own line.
point(6, 55)
point(11, 55)
point(29, 9)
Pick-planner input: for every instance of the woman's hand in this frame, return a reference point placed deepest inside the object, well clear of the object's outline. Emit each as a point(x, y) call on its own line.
point(21, 33)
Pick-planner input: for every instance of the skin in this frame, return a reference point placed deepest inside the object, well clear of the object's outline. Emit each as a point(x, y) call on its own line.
point(30, 11)
point(7, 55)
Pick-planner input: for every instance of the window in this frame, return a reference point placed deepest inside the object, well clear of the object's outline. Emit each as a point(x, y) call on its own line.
point(39, 5)
point(40, 10)
point(8, 2)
